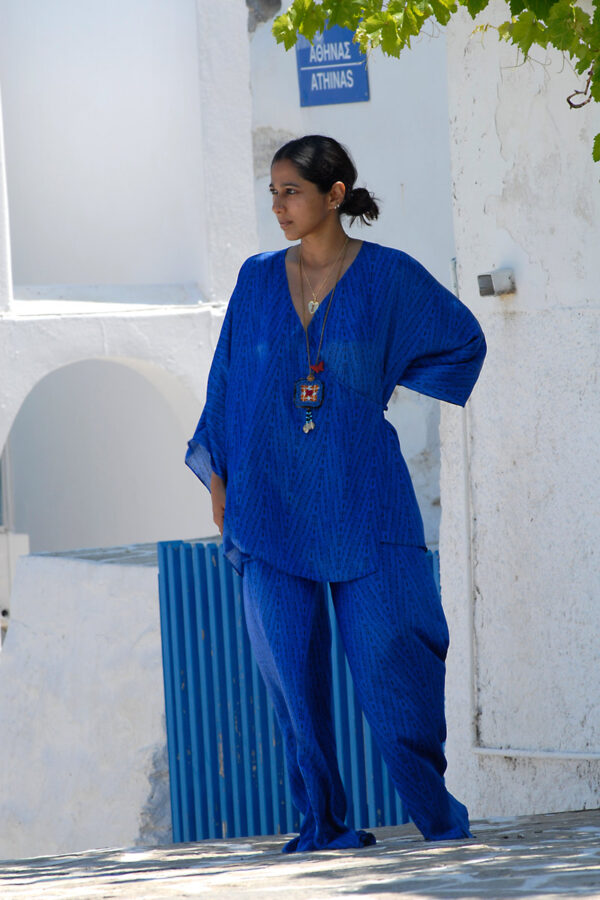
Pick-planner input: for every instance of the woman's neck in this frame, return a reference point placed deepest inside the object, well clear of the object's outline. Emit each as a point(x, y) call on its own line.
point(318, 250)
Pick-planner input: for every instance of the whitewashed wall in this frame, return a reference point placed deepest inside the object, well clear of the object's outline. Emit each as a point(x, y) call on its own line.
point(399, 141)
point(82, 755)
point(110, 471)
point(5, 257)
point(105, 165)
point(129, 171)
point(98, 379)
point(121, 118)
point(107, 466)
point(524, 674)
point(12, 546)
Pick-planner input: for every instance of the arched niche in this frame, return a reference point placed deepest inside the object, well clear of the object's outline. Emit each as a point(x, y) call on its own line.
point(95, 458)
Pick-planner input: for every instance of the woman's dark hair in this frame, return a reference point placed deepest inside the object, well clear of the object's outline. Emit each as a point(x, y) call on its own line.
point(324, 161)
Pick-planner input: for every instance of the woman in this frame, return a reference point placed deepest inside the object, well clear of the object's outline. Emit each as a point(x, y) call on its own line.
point(309, 486)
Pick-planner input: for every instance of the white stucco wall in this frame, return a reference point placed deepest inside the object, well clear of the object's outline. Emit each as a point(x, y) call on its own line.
point(143, 194)
point(523, 677)
point(224, 66)
point(5, 257)
point(399, 141)
point(127, 142)
point(82, 755)
point(111, 467)
point(104, 168)
point(12, 546)
point(122, 478)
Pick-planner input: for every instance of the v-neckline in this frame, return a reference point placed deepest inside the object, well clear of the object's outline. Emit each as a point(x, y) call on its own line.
point(322, 303)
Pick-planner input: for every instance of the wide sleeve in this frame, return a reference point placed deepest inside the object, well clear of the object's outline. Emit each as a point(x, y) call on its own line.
point(206, 451)
point(437, 345)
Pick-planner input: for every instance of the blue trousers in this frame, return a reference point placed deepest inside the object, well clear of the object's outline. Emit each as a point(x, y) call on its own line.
point(395, 636)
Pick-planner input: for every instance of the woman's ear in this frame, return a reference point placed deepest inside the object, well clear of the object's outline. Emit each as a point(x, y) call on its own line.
point(337, 194)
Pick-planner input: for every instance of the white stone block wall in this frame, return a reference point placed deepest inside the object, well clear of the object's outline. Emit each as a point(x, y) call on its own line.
point(5, 258)
point(518, 468)
point(82, 756)
point(132, 164)
point(12, 546)
point(169, 351)
point(143, 193)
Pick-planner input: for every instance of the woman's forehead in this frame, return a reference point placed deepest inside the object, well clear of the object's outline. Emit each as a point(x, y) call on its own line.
point(285, 172)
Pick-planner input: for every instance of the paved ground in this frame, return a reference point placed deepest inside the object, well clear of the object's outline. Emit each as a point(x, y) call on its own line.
point(547, 857)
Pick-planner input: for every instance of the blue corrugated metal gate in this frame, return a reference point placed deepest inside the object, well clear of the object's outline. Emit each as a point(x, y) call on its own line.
point(226, 764)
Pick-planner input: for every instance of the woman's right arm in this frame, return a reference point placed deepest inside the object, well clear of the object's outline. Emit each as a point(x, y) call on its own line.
point(206, 452)
point(217, 495)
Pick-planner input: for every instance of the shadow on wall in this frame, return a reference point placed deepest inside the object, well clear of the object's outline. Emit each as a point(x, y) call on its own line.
point(261, 11)
point(95, 458)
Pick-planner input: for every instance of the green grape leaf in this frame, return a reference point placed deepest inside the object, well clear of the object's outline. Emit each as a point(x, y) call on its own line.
point(312, 21)
point(474, 6)
point(346, 13)
point(596, 150)
point(442, 10)
point(524, 30)
point(585, 60)
point(390, 39)
point(541, 8)
point(374, 23)
point(302, 17)
point(561, 23)
point(284, 31)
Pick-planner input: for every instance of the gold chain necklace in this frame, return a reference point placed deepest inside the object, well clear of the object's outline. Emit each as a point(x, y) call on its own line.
point(314, 304)
point(308, 392)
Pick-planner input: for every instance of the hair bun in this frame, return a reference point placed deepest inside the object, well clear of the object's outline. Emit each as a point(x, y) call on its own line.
point(360, 204)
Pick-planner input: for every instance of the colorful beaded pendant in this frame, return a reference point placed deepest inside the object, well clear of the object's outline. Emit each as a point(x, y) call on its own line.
point(308, 395)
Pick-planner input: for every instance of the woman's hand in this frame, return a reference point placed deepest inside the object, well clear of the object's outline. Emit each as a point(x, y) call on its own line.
point(217, 495)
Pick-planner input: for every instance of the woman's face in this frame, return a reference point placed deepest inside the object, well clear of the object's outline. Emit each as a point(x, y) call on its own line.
point(299, 205)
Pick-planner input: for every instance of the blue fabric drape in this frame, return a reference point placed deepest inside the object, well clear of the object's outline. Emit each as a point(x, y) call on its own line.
point(395, 636)
point(318, 505)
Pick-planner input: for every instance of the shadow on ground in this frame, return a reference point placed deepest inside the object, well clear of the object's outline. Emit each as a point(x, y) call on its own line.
point(546, 856)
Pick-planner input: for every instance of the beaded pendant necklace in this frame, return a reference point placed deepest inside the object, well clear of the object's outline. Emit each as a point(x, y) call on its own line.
point(308, 392)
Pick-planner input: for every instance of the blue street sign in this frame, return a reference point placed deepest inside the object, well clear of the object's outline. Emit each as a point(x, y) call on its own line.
point(332, 69)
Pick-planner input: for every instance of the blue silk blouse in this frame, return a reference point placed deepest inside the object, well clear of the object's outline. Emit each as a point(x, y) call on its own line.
point(318, 504)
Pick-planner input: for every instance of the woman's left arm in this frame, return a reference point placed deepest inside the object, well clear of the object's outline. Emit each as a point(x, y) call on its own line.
point(440, 345)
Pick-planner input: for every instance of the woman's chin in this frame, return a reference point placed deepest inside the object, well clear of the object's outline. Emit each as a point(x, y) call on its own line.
point(290, 232)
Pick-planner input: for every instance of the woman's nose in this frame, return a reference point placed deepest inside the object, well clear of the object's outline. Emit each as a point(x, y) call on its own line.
point(277, 203)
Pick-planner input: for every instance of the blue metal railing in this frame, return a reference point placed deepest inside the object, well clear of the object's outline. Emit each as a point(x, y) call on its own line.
point(226, 762)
